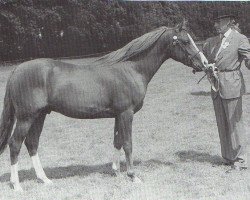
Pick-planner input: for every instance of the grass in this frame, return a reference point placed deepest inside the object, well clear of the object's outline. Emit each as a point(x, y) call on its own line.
point(175, 140)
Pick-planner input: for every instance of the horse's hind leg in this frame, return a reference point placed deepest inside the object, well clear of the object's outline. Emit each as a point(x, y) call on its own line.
point(32, 142)
point(15, 143)
point(118, 142)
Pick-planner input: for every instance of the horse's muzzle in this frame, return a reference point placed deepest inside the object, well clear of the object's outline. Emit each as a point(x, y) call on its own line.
point(196, 68)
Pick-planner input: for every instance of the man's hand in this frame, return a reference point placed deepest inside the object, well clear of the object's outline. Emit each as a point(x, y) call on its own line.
point(210, 68)
point(212, 76)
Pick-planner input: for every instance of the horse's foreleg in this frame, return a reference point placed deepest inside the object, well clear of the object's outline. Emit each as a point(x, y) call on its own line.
point(118, 142)
point(32, 142)
point(125, 120)
point(15, 143)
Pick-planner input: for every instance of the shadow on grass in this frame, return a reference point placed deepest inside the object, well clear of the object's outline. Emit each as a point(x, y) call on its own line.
point(201, 93)
point(199, 157)
point(80, 170)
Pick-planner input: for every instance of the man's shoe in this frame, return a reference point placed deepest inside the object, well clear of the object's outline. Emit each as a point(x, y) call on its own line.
point(239, 165)
point(238, 168)
point(227, 162)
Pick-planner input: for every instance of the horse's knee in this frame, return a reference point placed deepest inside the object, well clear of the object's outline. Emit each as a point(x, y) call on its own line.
point(118, 145)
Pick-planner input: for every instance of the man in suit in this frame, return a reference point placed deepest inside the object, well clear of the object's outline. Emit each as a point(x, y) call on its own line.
point(227, 51)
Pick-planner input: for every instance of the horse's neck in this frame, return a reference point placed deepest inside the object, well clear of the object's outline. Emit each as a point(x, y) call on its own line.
point(149, 63)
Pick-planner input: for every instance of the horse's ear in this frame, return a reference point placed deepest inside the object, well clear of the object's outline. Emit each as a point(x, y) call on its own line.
point(185, 23)
point(178, 27)
point(182, 25)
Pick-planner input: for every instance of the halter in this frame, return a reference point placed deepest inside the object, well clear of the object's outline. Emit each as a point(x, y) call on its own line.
point(190, 57)
point(211, 70)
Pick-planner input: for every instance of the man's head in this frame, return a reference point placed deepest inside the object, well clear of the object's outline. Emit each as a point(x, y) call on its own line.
point(222, 22)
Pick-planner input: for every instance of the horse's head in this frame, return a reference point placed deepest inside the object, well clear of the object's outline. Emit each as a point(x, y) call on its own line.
point(184, 48)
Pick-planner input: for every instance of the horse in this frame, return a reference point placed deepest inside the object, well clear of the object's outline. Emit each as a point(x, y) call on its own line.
point(111, 86)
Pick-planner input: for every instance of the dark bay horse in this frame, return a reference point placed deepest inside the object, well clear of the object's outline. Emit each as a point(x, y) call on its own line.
point(112, 86)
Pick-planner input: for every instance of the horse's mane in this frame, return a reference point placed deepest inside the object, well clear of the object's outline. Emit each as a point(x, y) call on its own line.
point(133, 48)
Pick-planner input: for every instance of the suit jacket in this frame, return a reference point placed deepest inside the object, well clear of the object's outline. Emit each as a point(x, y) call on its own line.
point(236, 48)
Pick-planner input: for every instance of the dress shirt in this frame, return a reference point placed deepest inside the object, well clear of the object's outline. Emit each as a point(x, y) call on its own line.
point(229, 31)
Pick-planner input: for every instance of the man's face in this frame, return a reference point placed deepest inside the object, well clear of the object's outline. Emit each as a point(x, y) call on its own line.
point(221, 25)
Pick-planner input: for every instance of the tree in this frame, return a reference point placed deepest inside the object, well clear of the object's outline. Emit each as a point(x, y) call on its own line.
point(52, 28)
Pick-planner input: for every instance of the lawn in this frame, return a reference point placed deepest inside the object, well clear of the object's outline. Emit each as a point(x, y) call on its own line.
point(175, 146)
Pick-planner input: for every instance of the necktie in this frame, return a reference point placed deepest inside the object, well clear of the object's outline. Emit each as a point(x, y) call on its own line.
point(217, 47)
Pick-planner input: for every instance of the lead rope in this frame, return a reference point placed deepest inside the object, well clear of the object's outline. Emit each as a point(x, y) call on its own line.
point(212, 76)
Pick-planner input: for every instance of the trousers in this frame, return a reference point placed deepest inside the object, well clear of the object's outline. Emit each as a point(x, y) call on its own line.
point(232, 134)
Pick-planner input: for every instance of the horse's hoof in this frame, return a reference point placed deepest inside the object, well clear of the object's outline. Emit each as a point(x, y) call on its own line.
point(48, 182)
point(18, 189)
point(115, 167)
point(116, 170)
point(116, 173)
point(135, 179)
point(15, 187)
point(45, 181)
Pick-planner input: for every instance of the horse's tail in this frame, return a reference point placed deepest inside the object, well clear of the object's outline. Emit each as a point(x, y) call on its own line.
point(7, 120)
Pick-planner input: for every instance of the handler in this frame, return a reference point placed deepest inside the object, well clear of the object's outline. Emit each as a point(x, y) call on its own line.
point(227, 51)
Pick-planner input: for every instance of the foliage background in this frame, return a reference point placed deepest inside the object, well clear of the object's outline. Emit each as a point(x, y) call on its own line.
point(56, 28)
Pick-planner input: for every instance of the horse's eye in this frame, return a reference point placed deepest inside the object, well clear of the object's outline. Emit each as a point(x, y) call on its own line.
point(186, 42)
